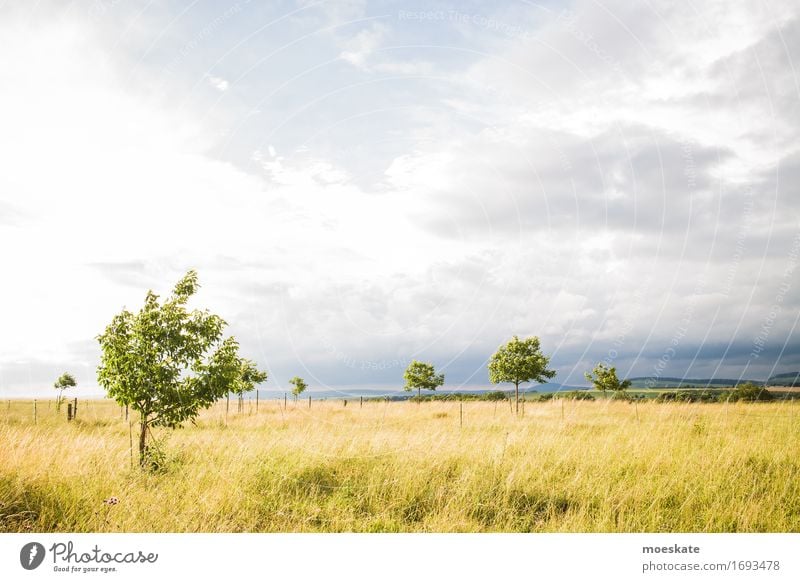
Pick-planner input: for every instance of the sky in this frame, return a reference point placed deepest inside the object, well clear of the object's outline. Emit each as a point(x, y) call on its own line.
point(360, 184)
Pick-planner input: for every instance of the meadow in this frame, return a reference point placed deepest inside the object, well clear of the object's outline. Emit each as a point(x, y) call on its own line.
point(565, 466)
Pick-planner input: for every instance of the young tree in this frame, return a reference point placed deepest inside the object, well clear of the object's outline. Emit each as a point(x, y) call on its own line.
point(421, 375)
point(519, 361)
point(249, 377)
point(64, 381)
point(604, 378)
point(167, 362)
point(299, 386)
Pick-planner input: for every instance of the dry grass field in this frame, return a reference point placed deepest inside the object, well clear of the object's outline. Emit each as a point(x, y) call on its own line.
point(402, 466)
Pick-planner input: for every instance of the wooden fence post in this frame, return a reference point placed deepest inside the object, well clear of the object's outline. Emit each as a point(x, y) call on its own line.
point(75, 409)
point(361, 405)
point(284, 400)
point(461, 413)
point(256, 401)
point(34, 411)
point(69, 411)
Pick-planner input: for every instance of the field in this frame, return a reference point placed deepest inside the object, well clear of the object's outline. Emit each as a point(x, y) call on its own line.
point(409, 467)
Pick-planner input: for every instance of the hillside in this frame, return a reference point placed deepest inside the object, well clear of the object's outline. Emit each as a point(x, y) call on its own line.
point(667, 382)
point(788, 379)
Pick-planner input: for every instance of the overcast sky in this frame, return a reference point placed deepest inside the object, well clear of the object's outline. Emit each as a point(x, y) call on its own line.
point(363, 183)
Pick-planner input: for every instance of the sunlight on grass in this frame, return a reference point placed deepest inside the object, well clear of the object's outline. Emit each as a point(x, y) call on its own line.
point(408, 467)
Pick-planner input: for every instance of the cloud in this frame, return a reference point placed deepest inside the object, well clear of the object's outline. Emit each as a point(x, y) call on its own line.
point(358, 49)
point(608, 178)
point(218, 83)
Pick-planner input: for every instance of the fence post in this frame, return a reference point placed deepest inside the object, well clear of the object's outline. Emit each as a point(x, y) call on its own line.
point(284, 400)
point(309, 401)
point(345, 403)
point(34, 411)
point(130, 438)
point(256, 401)
point(75, 409)
point(361, 405)
point(461, 413)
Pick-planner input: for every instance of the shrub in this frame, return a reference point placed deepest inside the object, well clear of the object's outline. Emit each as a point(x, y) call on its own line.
point(687, 396)
point(621, 395)
point(578, 395)
point(496, 395)
point(572, 395)
point(749, 392)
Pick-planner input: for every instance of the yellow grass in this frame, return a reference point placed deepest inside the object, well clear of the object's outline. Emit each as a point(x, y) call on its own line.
point(410, 467)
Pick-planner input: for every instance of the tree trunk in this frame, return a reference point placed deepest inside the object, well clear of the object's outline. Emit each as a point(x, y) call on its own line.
point(142, 441)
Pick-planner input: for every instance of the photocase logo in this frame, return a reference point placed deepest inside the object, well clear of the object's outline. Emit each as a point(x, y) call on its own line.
point(31, 555)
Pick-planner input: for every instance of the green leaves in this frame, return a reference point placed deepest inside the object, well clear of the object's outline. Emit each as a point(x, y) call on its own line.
point(65, 380)
point(299, 385)
point(604, 378)
point(168, 362)
point(422, 376)
point(520, 361)
point(248, 377)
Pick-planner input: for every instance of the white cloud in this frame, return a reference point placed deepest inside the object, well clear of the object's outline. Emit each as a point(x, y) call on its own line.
point(358, 49)
point(218, 83)
point(543, 188)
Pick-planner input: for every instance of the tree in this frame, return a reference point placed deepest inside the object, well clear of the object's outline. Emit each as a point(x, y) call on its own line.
point(604, 378)
point(299, 386)
point(421, 375)
point(519, 361)
point(748, 392)
point(167, 362)
point(249, 377)
point(64, 381)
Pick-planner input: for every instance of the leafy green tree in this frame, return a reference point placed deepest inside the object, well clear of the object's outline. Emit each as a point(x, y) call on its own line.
point(249, 377)
point(299, 386)
point(604, 378)
point(421, 376)
point(519, 361)
point(749, 392)
point(167, 362)
point(64, 381)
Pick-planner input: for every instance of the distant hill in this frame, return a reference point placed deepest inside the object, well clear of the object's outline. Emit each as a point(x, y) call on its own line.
point(665, 382)
point(788, 379)
point(397, 393)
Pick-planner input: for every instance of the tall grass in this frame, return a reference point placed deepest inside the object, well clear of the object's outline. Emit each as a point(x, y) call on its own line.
point(408, 467)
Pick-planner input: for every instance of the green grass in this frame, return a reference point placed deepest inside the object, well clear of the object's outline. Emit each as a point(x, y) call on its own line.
point(409, 467)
